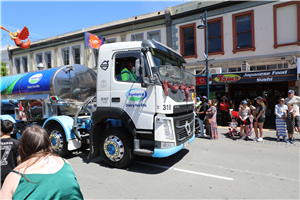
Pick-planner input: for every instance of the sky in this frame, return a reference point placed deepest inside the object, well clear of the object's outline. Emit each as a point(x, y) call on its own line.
point(46, 19)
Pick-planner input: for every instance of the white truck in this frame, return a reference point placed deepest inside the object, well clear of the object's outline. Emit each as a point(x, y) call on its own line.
point(152, 116)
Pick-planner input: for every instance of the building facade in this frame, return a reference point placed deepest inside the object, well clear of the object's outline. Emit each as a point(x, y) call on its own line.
point(256, 40)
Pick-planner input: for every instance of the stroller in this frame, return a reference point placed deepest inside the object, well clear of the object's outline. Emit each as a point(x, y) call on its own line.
point(233, 129)
point(233, 125)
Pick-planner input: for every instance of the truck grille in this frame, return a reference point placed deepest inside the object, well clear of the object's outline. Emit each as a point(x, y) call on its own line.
point(184, 127)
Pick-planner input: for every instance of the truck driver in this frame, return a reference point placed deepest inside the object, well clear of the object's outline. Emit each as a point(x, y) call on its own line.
point(127, 73)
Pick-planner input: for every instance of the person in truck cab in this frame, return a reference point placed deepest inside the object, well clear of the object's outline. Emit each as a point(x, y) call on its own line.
point(127, 73)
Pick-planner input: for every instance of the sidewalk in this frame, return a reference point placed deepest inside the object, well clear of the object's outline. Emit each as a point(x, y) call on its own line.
point(269, 137)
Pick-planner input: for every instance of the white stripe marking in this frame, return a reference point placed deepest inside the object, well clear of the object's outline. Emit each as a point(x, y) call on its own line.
point(186, 171)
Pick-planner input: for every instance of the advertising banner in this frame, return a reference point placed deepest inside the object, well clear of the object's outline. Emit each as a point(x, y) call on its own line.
point(255, 77)
point(93, 41)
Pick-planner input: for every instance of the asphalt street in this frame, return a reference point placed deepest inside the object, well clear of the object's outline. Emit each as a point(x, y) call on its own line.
point(206, 169)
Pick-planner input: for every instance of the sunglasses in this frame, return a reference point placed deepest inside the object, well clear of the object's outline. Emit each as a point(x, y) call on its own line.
point(131, 62)
point(282, 100)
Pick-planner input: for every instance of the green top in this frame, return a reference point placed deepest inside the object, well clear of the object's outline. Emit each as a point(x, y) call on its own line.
point(128, 75)
point(60, 185)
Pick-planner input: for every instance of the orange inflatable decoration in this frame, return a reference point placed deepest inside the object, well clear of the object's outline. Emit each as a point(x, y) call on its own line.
point(18, 36)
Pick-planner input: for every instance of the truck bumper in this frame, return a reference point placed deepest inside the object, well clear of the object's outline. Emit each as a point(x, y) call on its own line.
point(161, 153)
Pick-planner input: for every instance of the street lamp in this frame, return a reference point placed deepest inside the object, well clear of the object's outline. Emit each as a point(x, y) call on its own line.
point(203, 25)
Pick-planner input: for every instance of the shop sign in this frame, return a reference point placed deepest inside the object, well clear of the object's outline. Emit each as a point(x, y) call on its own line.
point(201, 80)
point(255, 77)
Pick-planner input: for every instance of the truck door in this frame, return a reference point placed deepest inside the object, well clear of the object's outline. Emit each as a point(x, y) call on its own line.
point(127, 92)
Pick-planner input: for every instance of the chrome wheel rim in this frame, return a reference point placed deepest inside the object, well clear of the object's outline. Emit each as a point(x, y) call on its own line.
point(56, 141)
point(113, 148)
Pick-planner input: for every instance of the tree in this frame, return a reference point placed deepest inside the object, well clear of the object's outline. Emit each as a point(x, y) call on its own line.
point(4, 70)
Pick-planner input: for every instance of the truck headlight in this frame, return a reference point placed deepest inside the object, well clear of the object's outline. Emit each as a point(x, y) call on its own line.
point(168, 129)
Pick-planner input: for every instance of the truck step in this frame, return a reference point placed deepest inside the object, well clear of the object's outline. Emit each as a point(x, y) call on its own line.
point(143, 152)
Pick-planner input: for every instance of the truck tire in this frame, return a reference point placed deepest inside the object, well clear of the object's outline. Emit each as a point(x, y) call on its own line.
point(58, 140)
point(116, 147)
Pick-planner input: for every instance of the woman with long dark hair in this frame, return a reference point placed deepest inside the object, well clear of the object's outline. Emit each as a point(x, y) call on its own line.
point(259, 118)
point(41, 174)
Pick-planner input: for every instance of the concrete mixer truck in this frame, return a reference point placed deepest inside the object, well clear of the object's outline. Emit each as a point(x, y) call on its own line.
point(151, 115)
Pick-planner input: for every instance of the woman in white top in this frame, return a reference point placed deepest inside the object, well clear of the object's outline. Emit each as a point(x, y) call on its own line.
point(244, 114)
point(280, 119)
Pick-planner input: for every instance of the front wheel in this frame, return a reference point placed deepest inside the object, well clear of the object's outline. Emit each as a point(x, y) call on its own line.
point(116, 147)
point(58, 140)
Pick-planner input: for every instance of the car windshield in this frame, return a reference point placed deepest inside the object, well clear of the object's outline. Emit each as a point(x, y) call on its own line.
point(170, 67)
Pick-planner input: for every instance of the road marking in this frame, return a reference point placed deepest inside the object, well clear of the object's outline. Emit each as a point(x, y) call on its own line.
point(186, 171)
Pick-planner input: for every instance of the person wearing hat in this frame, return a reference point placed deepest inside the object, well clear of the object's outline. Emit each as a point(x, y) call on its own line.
point(127, 73)
point(244, 115)
point(295, 100)
point(202, 113)
point(259, 119)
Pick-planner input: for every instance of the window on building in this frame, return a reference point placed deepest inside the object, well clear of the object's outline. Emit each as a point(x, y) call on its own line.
point(48, 60)
point(272, 66)
point(96, 54)
point(261, 67)
point(286, 19)
point(243, 31)
point(188, 43)
point(154, 35)
point(76, 56)
point(284, 66)
point(66, 56)
point(39, 58)
point(25, 64)
point(252, 68)
point(232, 70)
point(215, 36)
point(111, 40)
point(123, 38)
point(18, 65)
point(137, 37)
point(224, 70)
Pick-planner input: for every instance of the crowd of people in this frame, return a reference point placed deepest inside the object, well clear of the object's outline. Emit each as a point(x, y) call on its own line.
point(30, 170)
point(250, 118)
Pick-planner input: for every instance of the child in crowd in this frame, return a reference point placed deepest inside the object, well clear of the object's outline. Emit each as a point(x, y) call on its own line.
point(290, 115)
point(232, 127)
point(9, 149)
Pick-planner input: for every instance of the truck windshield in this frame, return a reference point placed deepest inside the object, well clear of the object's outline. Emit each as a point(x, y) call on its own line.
point(170, 67)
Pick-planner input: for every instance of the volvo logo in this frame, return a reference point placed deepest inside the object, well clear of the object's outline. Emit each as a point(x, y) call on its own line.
point(187, 127)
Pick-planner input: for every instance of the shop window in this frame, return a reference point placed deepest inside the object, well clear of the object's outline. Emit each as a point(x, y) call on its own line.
point(243, 31)
point(18, 65)
point(188, 43)
point(215, 36)
point(261, 67)
point(286, 16)
point(25, 64)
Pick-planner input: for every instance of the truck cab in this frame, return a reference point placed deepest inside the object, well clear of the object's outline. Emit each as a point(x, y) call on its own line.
point(145, 102)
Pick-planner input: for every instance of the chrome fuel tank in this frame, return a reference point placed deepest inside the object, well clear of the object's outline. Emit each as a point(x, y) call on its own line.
point(72, 82)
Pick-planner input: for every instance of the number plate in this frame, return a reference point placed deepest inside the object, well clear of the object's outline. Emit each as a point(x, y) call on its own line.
point(185, 144)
